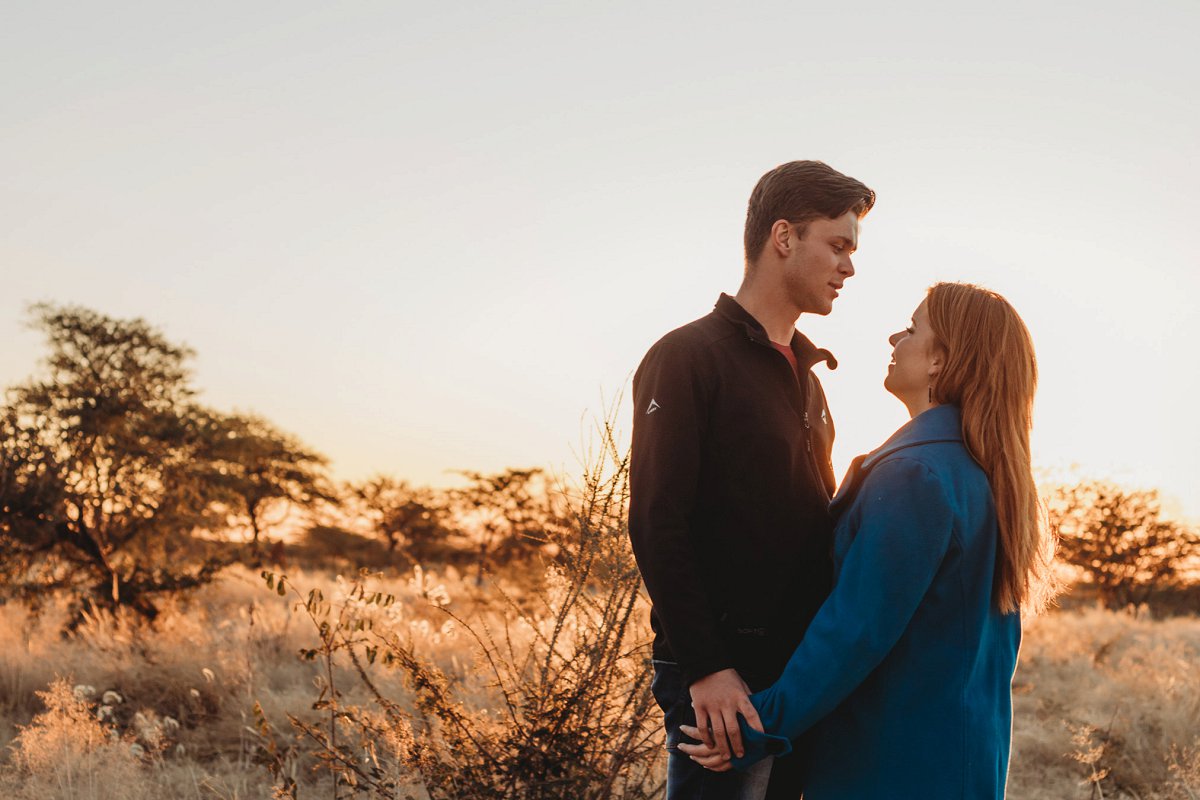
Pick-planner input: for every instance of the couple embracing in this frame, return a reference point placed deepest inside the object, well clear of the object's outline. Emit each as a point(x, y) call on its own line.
point(856, 644)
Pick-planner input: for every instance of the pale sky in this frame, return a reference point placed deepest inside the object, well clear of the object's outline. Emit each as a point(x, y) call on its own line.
point(434, 236)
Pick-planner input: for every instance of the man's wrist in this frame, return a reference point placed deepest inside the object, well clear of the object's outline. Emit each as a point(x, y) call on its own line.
point(694, 674)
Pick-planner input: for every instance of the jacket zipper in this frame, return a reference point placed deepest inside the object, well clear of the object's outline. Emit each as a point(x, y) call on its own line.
point(812, 457)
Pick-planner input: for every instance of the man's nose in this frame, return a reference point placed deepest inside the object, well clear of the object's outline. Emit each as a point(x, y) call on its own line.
point(847, 267)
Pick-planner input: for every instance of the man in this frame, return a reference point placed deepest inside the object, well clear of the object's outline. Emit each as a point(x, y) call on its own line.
point(731, 475)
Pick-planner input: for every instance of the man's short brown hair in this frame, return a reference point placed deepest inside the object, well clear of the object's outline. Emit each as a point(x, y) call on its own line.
point(799, 192)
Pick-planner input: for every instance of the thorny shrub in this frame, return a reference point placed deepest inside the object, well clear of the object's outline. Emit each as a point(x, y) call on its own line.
point(568, 665)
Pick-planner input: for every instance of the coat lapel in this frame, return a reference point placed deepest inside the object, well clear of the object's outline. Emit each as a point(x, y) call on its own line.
point(850, 483)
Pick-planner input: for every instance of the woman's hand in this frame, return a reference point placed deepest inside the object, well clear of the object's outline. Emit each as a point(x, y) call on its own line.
point(710, 758)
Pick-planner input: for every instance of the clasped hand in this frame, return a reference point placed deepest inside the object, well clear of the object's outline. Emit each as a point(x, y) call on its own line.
point(717, 699)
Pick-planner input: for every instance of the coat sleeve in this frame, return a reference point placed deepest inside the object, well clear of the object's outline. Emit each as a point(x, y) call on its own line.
point(904, 527)
point(670, 415)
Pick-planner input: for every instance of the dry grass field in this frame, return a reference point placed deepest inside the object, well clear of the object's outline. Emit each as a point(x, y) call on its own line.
point(1107, 705)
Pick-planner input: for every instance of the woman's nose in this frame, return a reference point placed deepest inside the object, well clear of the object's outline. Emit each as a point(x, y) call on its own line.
point(895, 338)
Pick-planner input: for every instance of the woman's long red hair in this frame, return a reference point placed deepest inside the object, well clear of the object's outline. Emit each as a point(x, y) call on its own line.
point(990, 373)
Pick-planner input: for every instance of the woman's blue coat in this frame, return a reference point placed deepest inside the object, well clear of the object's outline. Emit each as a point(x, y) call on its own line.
point(905, 674)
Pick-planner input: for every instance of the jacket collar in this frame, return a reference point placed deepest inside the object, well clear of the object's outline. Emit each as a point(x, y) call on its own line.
point(938, 424)
point(807, 354)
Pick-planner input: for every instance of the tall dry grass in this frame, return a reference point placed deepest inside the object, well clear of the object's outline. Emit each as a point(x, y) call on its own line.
point(1107, 706)
point(205, 665)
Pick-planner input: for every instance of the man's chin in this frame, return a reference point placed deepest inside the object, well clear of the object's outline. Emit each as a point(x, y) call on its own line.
point(818, 306)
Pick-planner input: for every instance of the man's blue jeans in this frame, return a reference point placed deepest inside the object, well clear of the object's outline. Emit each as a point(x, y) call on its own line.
point(687, 780)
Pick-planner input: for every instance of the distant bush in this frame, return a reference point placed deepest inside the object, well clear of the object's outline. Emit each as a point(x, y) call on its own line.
point(409, 520)
point(259, 468)
point(328, 547)
point(1119, 539)
point(508, 515)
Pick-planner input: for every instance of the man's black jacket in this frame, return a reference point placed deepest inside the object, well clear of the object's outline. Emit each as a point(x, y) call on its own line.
point(730, 481)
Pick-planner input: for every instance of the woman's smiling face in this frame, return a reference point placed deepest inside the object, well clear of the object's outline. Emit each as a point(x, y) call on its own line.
point(916, 360)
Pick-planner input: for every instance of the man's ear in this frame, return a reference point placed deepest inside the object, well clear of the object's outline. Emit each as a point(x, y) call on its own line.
point(779, 238)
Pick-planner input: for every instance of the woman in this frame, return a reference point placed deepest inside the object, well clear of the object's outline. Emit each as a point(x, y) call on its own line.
point(904, 676)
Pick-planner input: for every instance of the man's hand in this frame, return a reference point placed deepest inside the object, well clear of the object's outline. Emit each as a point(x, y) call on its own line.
point(717, 699)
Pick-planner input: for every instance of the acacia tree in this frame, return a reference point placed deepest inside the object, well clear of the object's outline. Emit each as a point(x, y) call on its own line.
point(257, 466)
point(1119, 539)
point(102, 471)
point(404, 516)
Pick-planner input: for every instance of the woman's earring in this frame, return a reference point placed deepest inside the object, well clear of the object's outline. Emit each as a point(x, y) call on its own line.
point(931, 393)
